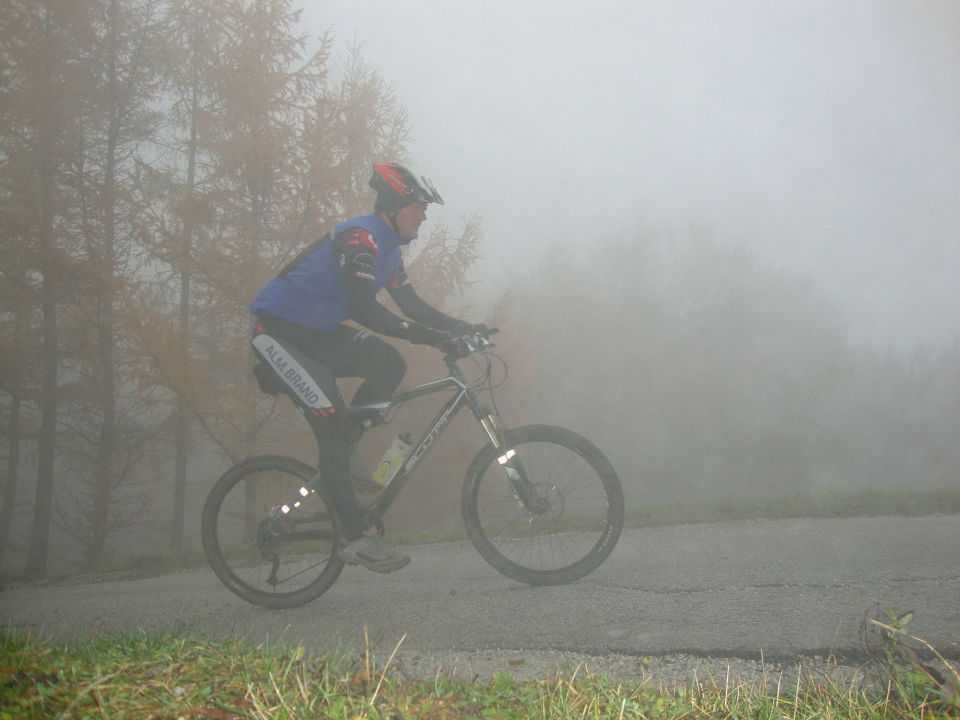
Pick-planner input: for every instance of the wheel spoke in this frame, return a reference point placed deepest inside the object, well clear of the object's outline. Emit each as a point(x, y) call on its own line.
point(276, 563)
point(574, 529)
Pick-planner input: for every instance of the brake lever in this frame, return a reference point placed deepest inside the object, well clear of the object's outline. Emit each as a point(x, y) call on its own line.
point(478, 341)
point(475, 341)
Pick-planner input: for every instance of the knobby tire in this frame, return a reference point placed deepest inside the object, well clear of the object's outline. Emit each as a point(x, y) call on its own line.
point(566, 542)
point(240, 503)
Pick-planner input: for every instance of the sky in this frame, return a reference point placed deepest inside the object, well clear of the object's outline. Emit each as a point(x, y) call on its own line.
point(823, 136)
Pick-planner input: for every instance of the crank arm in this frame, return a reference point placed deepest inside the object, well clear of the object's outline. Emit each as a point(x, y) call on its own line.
point(271, 556)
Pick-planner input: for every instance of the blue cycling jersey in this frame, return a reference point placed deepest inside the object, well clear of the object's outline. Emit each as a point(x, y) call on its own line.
point(311, 293)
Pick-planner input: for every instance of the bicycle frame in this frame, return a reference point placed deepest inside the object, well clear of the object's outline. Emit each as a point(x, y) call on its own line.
point(463, 397)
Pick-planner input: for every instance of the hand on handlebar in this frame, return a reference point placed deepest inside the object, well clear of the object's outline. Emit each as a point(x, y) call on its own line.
point(452, 346)
point(478, 329)
point(460, 343)
point(469, 339)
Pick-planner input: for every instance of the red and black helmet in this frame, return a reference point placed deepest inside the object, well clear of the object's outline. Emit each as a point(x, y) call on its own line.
point(399, 185)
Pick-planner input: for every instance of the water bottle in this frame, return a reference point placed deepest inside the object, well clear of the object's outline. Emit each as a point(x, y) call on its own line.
point(392, 459)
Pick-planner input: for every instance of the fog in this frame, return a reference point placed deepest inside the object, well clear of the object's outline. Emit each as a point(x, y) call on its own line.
point(822, 137)
point(726, 235)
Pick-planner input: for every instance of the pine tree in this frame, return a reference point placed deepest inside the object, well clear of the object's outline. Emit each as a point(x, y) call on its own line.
point(17, 350)
point(262, 85)
point(39, 46)
point(196, 42)
point(118, 121)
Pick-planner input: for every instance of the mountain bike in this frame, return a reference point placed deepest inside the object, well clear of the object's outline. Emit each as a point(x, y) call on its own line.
point(541, 504)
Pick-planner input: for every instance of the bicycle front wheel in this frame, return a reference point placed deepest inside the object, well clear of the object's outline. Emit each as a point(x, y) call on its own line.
point(577, 515)
point(276, 563)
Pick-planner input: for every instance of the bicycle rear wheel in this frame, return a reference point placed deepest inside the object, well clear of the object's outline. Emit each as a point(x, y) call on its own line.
point(580, 513)
point(274, 563)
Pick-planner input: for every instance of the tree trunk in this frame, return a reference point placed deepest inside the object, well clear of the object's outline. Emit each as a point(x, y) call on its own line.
point(13, 454)
point(43, 503)
point(256, 222)
point(106, 291)
point(182, 433)
point(182, 440)
point(13, 465)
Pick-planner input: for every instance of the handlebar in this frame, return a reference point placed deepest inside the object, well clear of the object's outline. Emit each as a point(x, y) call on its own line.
point(462, 346)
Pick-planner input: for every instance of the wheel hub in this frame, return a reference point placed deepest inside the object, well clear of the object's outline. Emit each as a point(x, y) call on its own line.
point(548, 500)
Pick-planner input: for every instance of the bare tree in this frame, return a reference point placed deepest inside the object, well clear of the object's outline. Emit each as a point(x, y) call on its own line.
point(139, 244)
point(195, 36)
point(444, 262)
point(118, 120)
point(16, 358)
point(39, 45)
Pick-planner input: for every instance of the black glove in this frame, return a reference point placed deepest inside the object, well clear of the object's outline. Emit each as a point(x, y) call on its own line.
point(454, 346)
point(423, 335)
point(465, 328)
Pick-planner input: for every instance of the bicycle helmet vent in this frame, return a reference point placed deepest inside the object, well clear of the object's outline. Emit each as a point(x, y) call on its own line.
point(399, 185)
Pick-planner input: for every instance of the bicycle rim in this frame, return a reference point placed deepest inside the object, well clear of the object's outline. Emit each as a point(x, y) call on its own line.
point(579, 525)
point(273, 563)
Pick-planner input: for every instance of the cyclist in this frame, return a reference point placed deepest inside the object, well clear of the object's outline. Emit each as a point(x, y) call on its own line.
point(300, 332)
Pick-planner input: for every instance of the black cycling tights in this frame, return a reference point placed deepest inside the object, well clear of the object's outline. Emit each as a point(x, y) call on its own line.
point(346, 352)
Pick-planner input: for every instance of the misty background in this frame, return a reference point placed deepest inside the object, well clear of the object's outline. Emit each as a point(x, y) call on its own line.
point(822, 136)
point(721, 242)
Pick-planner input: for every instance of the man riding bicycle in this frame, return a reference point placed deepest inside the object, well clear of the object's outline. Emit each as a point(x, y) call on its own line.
point(299, 333)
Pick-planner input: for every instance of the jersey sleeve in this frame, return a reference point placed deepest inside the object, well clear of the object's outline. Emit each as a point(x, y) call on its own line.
point(415, 307)
point(356, 252)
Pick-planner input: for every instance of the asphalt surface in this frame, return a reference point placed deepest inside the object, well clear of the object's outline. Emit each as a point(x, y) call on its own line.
point(667, 597)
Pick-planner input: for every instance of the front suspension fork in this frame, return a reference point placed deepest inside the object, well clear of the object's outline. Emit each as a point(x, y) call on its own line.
point(508, 459)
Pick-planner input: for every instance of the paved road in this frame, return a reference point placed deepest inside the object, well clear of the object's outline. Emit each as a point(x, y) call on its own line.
point(729, 590)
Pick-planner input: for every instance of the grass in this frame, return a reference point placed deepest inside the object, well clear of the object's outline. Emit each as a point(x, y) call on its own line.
point(171, 677)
